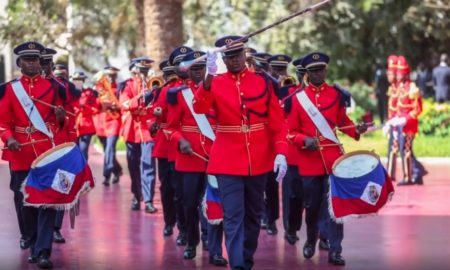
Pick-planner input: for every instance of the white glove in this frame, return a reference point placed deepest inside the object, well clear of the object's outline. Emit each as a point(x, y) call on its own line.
point(211, 66)
point(280, 165)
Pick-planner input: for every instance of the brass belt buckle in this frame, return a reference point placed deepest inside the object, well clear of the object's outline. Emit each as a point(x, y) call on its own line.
point(245, 128)
point(28, 130)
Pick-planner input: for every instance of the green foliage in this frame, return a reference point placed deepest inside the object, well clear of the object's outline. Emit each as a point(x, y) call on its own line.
point(98, 27)
point(435, 119)
point(424, 146)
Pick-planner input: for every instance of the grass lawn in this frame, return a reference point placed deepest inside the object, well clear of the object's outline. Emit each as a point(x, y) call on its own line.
point(424, 146)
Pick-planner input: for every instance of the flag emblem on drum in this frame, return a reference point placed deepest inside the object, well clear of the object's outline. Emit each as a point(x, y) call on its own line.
point(63, 181)
point(57, 178)
point(371, 193)
point(359, 185)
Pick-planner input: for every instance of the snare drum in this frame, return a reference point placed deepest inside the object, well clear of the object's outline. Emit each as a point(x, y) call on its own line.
point(359, 185)
point(57, 178)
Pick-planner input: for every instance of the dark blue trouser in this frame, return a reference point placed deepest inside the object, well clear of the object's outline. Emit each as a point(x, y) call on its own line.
point(59, 219)
point(215, 236)
point(286, 186)
point(328, 229)
point(141, 166)
point(110, 163)
point(272, 200)
point(193, 190)
point(38, 222)
point(84, 142)
point(204, 225)
point(15, 185)
point(171, 193)
point(243, 205)
point(307, 194)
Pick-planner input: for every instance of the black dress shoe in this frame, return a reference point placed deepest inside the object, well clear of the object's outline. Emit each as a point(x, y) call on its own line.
point(150, 208)
point(324, 245)
point(135, 204)
point(44, 262)
point(291, 238)
point(418, 181)
point(336, 258)
point(272, 228)
point(308, 250)
point(106, 182)
point(58, 238)
point(168, 230)
point(24, 243)
point(32, 259)
point(116, 177)
point(218, 260)
point(405, 183)
point(189, 253)
point(205, 245)
point(181, 239)
point(263, 225)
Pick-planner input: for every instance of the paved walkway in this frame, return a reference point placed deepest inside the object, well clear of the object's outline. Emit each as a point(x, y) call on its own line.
point(412, 232)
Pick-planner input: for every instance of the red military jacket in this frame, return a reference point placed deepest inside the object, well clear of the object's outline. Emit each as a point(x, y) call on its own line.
point(162, 144)
point(15, 123)
point(251, 128)
point(392, 100)
point(328, 100)
point(182, 125)
point(107, 122)
point(286, 103)
point(409, 105)
point(89, 105)
point(135, 126)
point(70, 105)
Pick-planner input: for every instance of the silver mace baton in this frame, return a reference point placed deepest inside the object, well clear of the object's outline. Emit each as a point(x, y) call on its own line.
point(185, 65)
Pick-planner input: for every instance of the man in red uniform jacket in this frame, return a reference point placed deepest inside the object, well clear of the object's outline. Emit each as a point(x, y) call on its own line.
point(26, 140)
point(194, 144)
point(108, 123)
point(88, 107)
point(318, 150)
point(165, 150)
point(251, 134)
point(136, 133)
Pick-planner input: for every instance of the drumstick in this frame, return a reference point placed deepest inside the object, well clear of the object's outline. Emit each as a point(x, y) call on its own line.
point(326, 145)
point(28, 143)
point(52, 106)
point(200, 156)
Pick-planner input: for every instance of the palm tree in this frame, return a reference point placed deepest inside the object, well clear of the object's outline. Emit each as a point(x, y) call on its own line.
point(163, 27)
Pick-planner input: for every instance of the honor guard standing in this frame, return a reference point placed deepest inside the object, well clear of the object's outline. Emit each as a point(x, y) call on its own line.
point(109, 123)
point(318, 147)
point(292, 203)
point(27, 133)
point(409, 107)
point(395, 144)
point(250, 125)
point(88, 107)
point(194, 136)
point(136, 133)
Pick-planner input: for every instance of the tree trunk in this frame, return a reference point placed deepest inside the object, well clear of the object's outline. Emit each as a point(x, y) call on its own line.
point(140, 42)
point(163, 27)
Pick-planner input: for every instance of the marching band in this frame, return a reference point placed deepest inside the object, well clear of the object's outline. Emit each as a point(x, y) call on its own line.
point(242, 134)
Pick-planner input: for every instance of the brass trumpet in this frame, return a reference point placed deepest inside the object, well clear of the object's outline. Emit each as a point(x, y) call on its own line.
point(156, 81)
point(287, 80)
